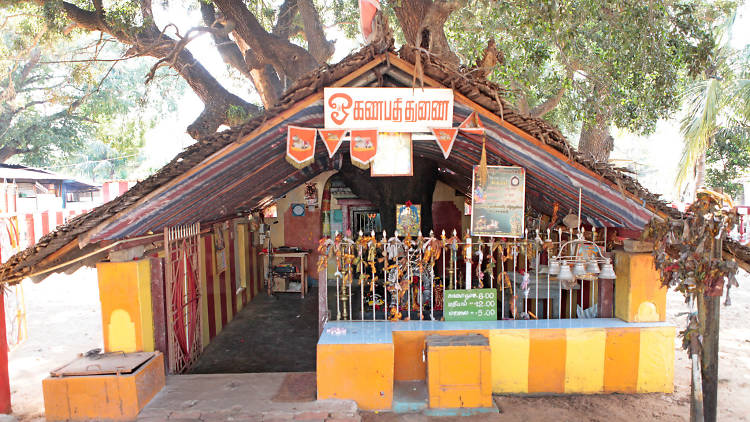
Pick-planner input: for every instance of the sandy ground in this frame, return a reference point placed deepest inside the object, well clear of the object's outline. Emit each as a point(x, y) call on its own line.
point(64, 320)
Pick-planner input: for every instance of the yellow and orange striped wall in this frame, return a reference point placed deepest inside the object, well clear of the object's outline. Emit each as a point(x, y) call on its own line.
point(583, 360)
point(361, 360)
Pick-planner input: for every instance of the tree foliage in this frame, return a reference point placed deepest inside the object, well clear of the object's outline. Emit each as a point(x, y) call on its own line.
point(717, 105)
point(57, 98)
point(584, 64)
point(588, 64)
point(728, 159)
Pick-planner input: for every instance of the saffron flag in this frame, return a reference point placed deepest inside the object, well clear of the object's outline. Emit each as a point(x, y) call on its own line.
point(363, 146)
point(367, 10)
point(472, 124)
point(332, 139)
point(445, 137)
point(300, 146)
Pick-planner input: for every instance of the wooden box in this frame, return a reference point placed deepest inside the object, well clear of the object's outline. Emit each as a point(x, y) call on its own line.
point(102, 396)
point(279, 284)
point(458, 371)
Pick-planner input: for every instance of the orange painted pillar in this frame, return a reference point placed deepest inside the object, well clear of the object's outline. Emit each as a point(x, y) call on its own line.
point(127, 313)
point(4, 380)
point(639, 295)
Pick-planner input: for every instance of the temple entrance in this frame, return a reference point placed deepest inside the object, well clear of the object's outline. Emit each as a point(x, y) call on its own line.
point(271, 334)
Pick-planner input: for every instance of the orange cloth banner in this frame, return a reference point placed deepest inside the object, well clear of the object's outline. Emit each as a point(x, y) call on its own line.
point(332, 139)
point(362, 146)
point(445, 139)
point(367, 10)
point(300, 146)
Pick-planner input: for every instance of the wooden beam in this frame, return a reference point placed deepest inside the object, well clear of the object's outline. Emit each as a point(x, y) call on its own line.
point(70, 246)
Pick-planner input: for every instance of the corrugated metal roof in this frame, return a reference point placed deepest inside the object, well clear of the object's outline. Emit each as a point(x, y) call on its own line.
point(19, 174)
point(236, 169)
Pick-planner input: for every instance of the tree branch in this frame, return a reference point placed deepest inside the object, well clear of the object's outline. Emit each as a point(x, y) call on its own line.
point(99, 7)
point(6, 152)
point(320, 48)
point(287, 11)
point(523, 99)
point(171, 58)
point(288, 59)
point(264, 78)
point(148, 41)
point(549, 104)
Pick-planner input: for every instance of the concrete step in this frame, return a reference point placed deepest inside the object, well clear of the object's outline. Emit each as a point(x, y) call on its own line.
point(409, 396)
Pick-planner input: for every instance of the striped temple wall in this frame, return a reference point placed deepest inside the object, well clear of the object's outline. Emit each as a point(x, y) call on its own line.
point(230, 277)
point(362, 360)
point(114, 188)
point(23, 230)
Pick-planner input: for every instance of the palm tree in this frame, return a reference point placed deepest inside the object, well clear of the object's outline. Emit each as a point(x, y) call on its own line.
point(720, 100)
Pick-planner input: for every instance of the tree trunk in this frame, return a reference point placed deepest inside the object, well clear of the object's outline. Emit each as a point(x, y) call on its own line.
point(288, 59)
point(595, 140)
point(700, 173)
point(708, 314)
point(422, 23)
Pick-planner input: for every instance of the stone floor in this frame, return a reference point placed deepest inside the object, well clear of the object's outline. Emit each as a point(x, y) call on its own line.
point(271, 334)
point(245, 397)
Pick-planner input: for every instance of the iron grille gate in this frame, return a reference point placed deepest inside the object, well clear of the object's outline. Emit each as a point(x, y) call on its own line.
point(183, 296)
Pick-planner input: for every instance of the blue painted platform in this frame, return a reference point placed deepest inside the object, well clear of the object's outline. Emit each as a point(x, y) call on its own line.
point(381, 332)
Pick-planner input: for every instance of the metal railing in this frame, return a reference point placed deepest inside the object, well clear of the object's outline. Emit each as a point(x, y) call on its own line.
point(401, 278)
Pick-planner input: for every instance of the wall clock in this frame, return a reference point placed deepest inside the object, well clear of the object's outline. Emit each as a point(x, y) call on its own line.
point(298, 210)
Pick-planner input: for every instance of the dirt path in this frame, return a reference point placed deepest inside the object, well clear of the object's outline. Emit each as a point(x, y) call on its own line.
point(64, 319)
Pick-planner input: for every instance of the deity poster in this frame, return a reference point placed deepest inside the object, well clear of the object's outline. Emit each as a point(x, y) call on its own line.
point(497, 208)
point(408, 219)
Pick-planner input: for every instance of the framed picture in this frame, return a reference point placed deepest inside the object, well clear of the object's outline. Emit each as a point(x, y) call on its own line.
point(270, 211)
point(408, 219)
point(497, 208)
point(393, 156)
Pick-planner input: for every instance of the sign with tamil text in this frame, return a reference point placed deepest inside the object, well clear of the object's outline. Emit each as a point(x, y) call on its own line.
point(497, 208)
point(388, 109)
point(470, 305)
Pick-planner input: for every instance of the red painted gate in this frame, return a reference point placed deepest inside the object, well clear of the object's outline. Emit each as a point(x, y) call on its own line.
point(183, 296)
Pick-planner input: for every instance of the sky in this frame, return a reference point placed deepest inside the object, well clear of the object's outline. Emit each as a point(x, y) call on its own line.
point(655, 156)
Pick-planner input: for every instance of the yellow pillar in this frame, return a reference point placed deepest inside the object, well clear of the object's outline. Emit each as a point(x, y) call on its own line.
point(225, 228)
point(656, 360)
point(510, 361)
point(639, 295)
point(127, 316)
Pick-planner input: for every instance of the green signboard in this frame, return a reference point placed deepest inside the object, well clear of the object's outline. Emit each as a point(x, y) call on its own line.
point(470, 305)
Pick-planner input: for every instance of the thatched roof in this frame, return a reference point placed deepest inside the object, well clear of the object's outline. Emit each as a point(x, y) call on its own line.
point(146, 206)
